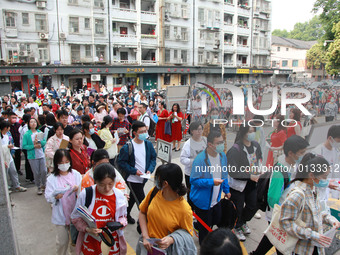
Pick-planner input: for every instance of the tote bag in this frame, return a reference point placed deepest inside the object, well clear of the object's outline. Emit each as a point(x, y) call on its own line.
point(279, 238)
point(167, 128)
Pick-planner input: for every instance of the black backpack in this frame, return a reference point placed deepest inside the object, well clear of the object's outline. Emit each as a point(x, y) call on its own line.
point(263, 187)
point(152, 127)
point(116, 165)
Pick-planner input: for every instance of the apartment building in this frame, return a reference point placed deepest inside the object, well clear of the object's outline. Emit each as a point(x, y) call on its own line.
point(149, 43)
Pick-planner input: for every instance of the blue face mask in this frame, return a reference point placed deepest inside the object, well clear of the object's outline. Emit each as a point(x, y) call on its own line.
point(220, 148)
point(91, 131)
point(129, 103)
point(322, 183)
point(251, 137)
point(143, 136)
point(299, 160)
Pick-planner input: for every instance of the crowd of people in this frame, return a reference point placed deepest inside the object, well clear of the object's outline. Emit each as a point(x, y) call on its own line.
point(95, 150)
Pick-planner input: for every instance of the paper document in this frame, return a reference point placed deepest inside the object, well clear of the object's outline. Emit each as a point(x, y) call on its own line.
point(40, 136)
point(87, 217)
point(146, 176)
point(61, 191)
point(116, 137)
point(15, 148)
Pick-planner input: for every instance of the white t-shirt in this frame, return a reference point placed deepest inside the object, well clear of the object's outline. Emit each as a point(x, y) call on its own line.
point(35, 105)
point(146, 119)
point(215, 162)
point(92, 144)
point(140, 162)
point(5, 141)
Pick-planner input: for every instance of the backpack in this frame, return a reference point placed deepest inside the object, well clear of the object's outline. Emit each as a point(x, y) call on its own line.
point(263, 187)
point(116, 165)
point(152, 127)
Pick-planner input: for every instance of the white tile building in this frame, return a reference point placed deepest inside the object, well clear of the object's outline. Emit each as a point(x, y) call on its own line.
point(221, 36)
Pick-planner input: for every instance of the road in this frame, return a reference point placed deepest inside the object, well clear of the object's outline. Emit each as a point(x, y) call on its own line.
point(36, 234)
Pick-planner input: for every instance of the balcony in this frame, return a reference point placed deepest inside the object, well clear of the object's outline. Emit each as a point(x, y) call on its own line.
point(149, 39)
point(11, 32)
point(244, 11)
point(229, 64)
point(149, 62)
point(124, 39)
point(243, 30)
point(228, 28)
point(229, 8)
point(242, 49)
point(201, 44)
point(228, 47)
point(124, 14)
point(126, 62)
point(148, 17)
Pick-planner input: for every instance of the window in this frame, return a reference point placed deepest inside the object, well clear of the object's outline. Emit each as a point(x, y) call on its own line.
point(184, 12)
point(184, 56)
point(124, 56)
point(75, 53)
point(99, 26)
point(273, 64)
point(10, 19)
point(98, 3)
point(167, 7)
point(200, 57)
point(73, 1)
point(287, 49)
point(278, 48)
point(175, 32)
point(184, 34)
point(43, 52)
point(40, 23)
point(87, 23)
point(284, 63)
point(175, 54)
point(295, 63)
point(115, 51)
point(74, 25)
point(201, 14)
point(13, 55)
point(167, 32)
point(100, 52)
point(88, 51)
point(25, 18)
point(114, 26)
point(167, 56)
point(202, 35)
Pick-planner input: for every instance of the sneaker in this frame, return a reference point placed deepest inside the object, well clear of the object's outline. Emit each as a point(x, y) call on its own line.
point(130, 220)
point(239, 233)
point(20, 189)
point(39, 192)
point(246, 230)
point(43, 188)
point(257, 216)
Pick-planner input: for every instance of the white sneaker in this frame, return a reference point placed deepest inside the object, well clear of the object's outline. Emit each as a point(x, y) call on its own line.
point(257, 216)
point(246, 230)
point(239, 233)
point(39, 192)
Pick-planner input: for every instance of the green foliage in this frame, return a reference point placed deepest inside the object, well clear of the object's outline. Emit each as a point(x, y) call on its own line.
point(308, 31)
point(329, 15)
point(316, 56)
point(333, 52)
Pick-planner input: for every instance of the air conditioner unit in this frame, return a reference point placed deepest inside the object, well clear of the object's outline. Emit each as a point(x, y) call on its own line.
point(41, 4)
point(95, 77)
point(217, 42)
point(23, 54)
point(178, 37)
point(43, 36)
point(4, 79)
point(62, 36)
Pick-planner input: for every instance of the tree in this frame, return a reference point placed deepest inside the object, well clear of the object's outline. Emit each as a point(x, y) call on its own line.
point(333, 52)
point(316, 56)
point(329, 16)
point(308, 31)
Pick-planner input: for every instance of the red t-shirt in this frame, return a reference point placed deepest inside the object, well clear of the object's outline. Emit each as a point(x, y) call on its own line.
point(104, 211)
point(80, 161)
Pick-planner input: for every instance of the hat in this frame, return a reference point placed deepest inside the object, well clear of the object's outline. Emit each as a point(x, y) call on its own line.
point(101, 106)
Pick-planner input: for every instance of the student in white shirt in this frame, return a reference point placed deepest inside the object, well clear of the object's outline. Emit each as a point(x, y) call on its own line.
point(330, 150)
point(144, 117)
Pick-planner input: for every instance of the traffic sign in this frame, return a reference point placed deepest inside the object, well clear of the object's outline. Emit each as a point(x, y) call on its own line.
point(164, 150)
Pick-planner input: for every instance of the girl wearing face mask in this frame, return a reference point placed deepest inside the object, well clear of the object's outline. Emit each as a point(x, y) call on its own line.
point(92, 140)
point(176, 117)
point(53, 144)
point(331, 110)
point(307, 204)
point(210, 126)
point(245, 156)
point(61, 189)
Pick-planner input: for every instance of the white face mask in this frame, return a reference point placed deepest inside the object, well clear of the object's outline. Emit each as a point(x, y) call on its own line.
point(64, 167)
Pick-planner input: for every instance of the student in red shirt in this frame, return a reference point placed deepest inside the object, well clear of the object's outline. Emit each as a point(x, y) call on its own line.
point(108, 204)
point(55, 107)
point(78, 151)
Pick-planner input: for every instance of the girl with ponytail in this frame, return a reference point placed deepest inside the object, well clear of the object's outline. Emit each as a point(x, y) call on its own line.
point(110, 142)
point(167, 203)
